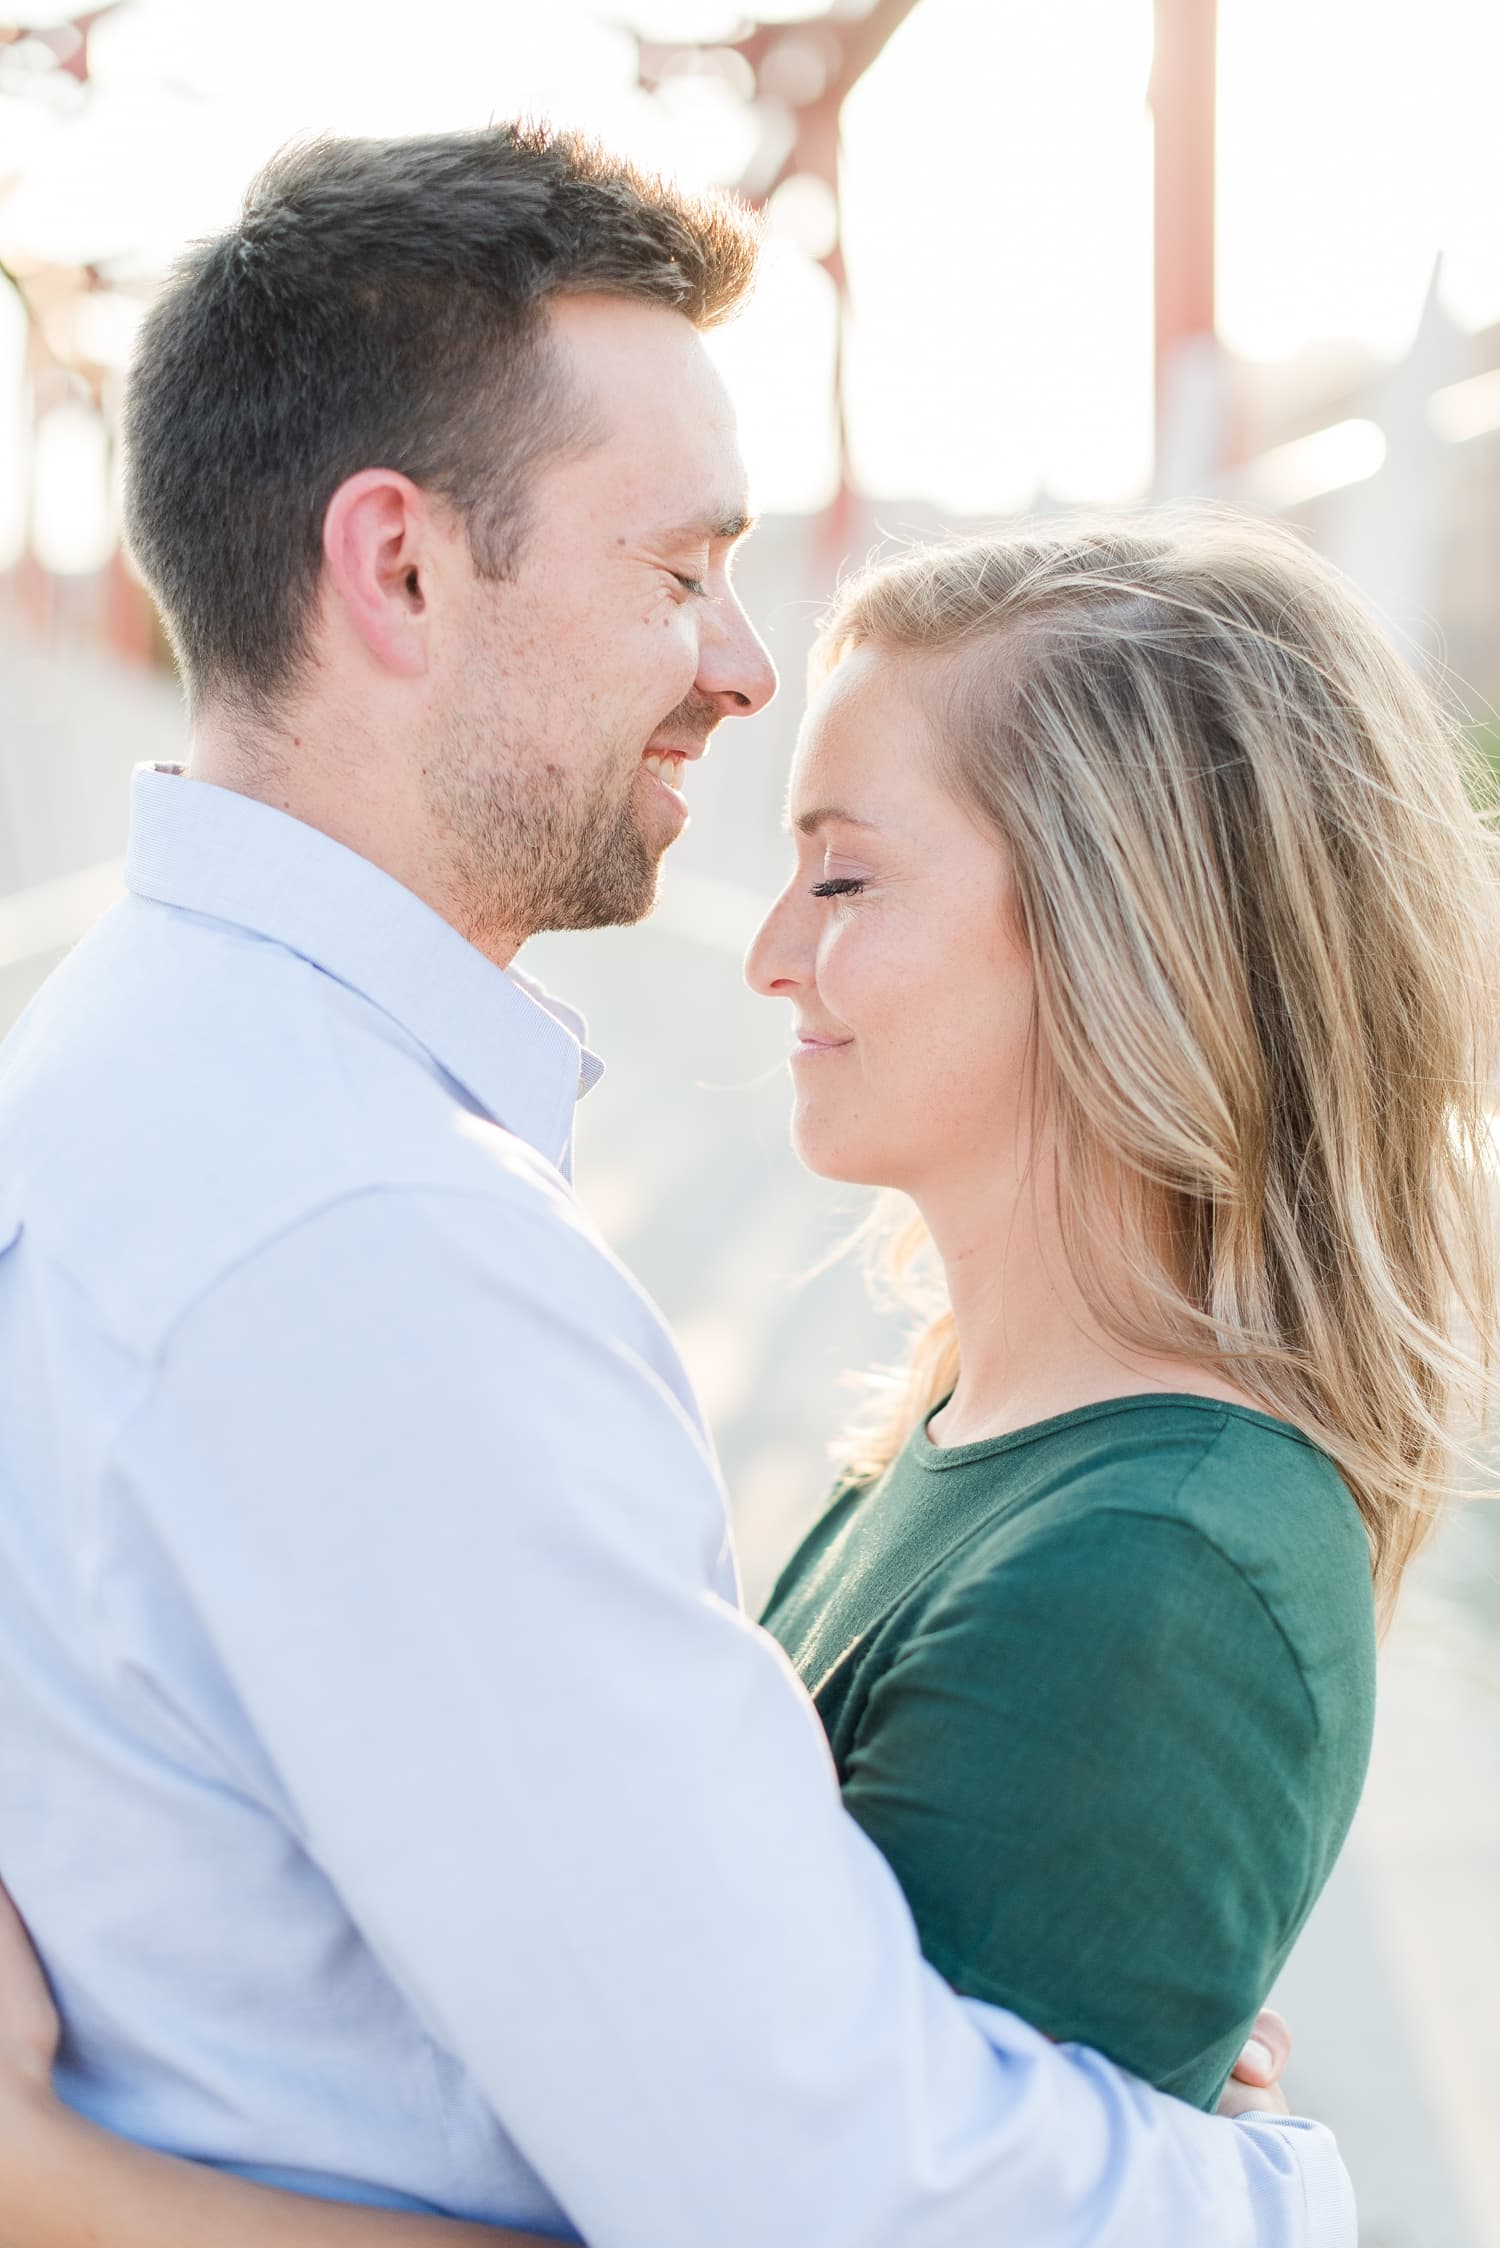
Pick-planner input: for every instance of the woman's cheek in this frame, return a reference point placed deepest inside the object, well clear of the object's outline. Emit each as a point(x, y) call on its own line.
point(827, 958)
point(864, 977)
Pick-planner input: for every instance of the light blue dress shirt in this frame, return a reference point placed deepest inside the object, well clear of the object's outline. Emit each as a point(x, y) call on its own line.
point(402, 1803)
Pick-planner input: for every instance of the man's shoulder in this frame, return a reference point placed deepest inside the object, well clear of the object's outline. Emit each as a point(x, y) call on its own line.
point(165, 1112)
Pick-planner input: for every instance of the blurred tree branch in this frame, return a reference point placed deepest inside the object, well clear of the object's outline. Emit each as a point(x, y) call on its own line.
point(800, 71)
point(67, 41)
point(8, 273)
point(51, 51)
point(796, 76)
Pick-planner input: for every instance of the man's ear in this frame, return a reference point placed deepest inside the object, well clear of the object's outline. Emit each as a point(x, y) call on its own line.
point(377, 533)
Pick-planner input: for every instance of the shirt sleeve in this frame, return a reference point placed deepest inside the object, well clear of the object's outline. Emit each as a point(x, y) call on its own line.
point(420, 1466)
point(1095, 1771)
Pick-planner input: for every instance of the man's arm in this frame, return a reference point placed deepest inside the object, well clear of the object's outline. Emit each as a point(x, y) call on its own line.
point(69, 2184)
point(65, 2183)
point(421, 1466)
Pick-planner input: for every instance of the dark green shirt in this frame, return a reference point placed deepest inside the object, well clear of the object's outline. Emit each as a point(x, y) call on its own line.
point(1101, 1691)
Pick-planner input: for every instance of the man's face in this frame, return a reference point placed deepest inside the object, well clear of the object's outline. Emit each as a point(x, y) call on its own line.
point(582, 686)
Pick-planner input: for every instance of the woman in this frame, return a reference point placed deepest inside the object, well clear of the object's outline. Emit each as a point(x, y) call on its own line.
point(1140, 940)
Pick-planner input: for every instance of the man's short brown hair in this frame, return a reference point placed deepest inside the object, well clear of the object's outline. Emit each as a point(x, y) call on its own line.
point(381, 304)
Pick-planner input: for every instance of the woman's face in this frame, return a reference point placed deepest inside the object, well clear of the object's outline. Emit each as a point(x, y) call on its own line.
point(897, 945)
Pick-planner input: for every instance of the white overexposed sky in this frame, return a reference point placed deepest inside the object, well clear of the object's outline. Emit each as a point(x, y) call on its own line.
point(996, 184)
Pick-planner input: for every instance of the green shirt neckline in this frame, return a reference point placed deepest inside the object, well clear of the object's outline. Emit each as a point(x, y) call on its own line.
point(934, 1458)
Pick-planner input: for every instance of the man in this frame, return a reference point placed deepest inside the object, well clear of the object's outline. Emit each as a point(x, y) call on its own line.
point(402, 1805)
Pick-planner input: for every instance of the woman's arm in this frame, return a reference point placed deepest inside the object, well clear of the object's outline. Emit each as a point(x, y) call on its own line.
point(65, 2183)
point(1095, 1773)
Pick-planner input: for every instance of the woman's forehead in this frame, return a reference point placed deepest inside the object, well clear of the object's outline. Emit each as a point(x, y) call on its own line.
point(865, 742)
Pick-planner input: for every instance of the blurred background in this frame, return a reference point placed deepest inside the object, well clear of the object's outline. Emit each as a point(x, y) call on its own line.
point(1026, 256)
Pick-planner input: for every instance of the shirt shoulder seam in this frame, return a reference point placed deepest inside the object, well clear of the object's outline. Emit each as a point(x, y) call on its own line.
point(1195, 1530)
point(367, 1190)
point(1159, 1514)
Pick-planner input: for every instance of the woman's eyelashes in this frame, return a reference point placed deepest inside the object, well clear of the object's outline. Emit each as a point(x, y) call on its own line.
point(691, 585)
point(844, 886)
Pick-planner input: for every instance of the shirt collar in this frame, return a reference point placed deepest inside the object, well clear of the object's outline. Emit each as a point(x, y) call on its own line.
point(517, 1053)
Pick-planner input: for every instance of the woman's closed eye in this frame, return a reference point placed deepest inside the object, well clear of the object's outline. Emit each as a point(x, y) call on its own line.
point(843, 886)
point(691, 585)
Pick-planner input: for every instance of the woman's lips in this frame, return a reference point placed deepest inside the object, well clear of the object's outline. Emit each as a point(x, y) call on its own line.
point(805, 1048)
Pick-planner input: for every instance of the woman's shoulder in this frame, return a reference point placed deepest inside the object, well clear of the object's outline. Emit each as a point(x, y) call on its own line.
point(1134, 1707)
point(1151, 1506)
point(1247, 1480)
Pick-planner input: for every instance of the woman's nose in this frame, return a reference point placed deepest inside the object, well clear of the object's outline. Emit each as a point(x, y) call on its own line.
point(771, 965)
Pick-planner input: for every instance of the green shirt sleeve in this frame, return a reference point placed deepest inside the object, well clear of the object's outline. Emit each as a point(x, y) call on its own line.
point(1089, 1769)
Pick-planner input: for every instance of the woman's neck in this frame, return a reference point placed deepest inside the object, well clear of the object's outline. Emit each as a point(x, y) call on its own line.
point(1029, 1344)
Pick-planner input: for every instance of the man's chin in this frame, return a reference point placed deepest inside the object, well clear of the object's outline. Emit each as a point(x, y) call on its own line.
point(619, 906)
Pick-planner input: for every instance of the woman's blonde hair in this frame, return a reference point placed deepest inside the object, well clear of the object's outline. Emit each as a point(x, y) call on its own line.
point(1260, 902)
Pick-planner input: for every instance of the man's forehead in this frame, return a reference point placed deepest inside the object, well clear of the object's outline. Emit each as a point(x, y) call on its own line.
point(661, 464)
point(644, 371)
point(638, 498)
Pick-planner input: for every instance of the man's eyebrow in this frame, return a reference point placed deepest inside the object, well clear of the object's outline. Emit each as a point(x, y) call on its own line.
point(808, 823)
point(723, 528)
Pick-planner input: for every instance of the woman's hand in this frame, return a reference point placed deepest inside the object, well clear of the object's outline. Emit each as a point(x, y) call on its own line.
point(29, 2027)
point(1255, 2087)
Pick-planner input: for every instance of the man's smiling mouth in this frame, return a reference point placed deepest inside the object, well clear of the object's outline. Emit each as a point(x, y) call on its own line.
point(667, 765)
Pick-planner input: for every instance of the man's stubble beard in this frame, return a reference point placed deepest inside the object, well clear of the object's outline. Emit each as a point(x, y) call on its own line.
point(546, 855)
point(533, 848)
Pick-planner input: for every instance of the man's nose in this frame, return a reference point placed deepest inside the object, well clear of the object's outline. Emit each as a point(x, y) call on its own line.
point(734, 667)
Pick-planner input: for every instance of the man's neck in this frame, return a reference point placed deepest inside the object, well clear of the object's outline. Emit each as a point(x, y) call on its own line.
point(333, 776)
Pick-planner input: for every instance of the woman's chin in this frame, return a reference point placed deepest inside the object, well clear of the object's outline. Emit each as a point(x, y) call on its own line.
point(828, 1157)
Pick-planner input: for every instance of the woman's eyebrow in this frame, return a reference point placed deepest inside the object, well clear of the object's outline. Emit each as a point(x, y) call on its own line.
point(808, 823)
